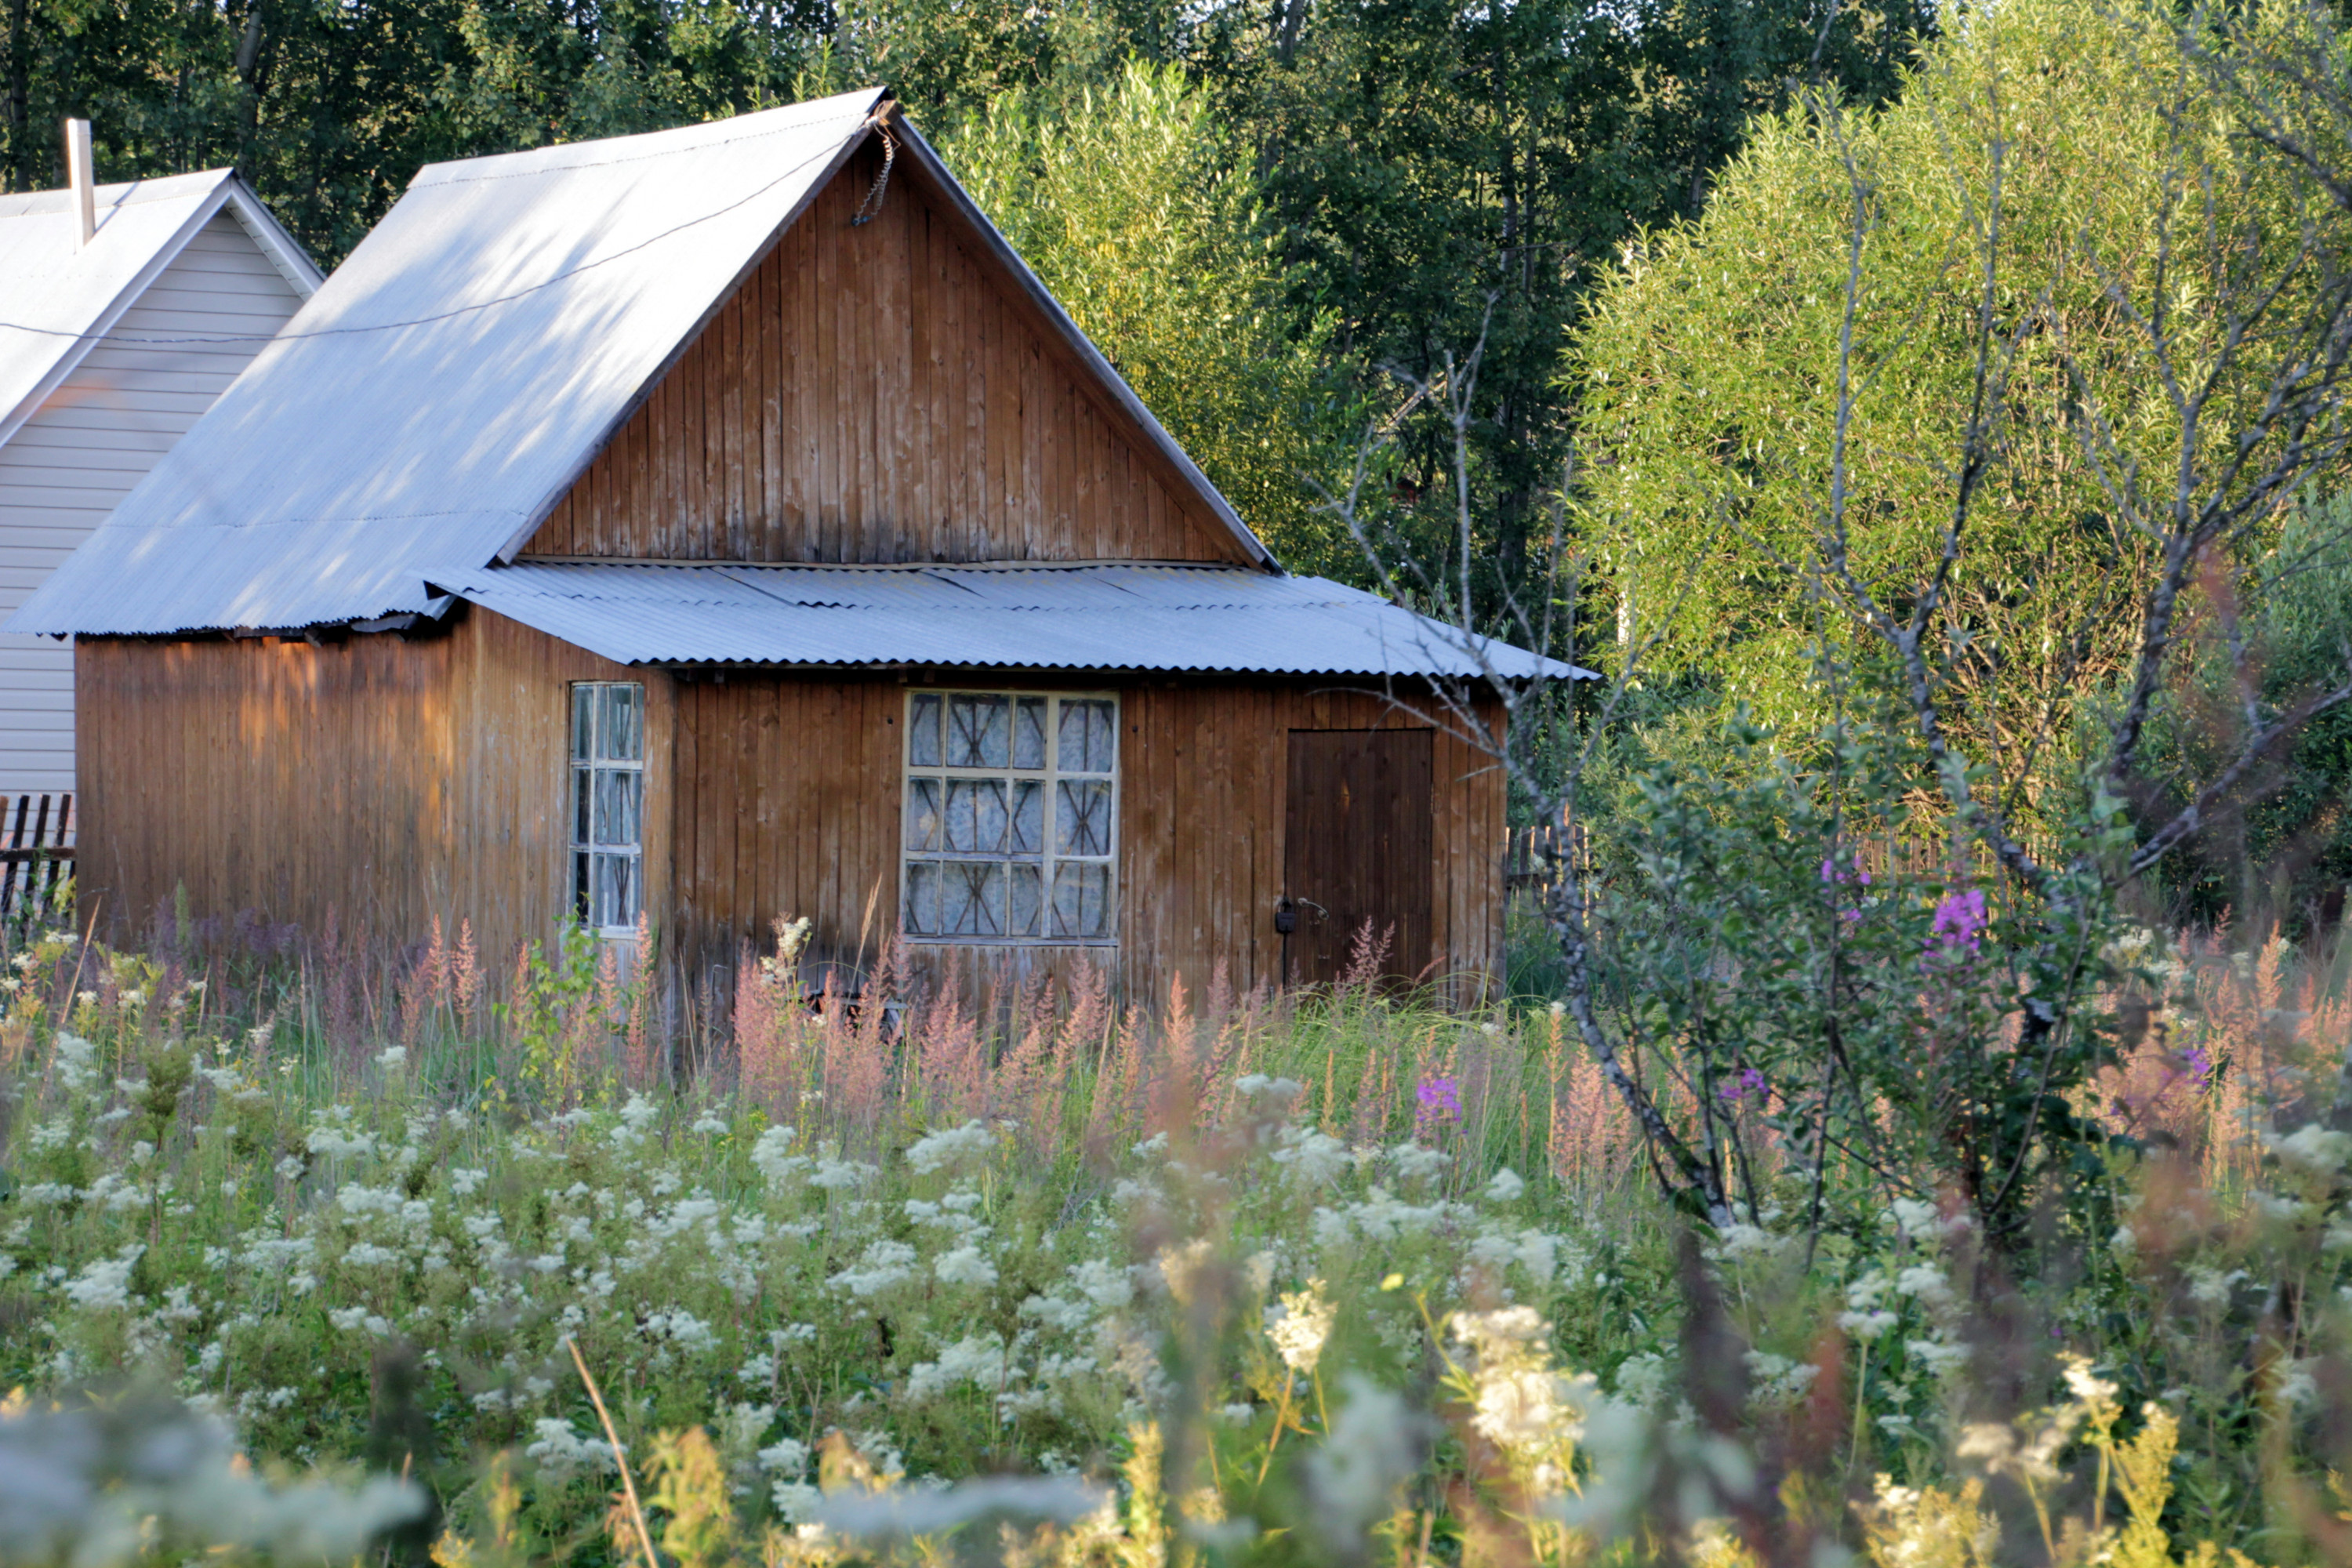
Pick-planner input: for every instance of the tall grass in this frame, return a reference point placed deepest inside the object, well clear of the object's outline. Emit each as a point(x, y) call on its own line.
point(1317, 1277)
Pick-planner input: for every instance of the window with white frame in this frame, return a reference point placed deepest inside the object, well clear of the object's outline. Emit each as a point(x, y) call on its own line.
point(1012, 822)
point(608, 804)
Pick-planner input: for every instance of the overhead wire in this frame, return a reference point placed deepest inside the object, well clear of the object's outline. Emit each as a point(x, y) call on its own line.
point(876, 121)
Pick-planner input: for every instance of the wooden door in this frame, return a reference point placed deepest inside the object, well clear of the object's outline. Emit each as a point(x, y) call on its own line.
point(1356, 848)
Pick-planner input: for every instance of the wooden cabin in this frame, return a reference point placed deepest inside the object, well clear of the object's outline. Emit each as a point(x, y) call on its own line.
point(723, 525)
point(116, 337)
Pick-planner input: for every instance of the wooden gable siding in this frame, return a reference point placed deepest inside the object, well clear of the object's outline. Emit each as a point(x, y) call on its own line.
point(880, 392)
point(789, 795)
point(378, 781)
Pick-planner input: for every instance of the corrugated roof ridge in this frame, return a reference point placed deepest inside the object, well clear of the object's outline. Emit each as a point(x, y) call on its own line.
point(118, 194)
point(679, 564)
point(531, 163)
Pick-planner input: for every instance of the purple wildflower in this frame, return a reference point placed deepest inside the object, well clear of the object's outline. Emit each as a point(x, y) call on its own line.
point(1749, 1082)
point(2199, 1062)
point(1959, 921)
point(1833, 872)
point(1440, 1100)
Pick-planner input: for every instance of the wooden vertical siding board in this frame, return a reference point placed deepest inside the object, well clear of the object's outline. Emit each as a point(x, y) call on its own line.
point(879, 393)
point(729, 540)
point(797, 444)
point(829, 377)
point(904, 395)
point(358, 781)
point(774, 398)
point(972, 515)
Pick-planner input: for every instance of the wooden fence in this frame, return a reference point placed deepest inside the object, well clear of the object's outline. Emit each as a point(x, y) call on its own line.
point(1535, 857)
point(37, 851)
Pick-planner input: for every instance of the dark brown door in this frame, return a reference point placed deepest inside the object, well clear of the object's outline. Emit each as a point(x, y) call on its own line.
point(1356, 848)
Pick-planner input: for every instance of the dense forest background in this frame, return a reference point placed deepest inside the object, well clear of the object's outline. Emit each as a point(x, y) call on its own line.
point(1286, 220)
point(1351, 190)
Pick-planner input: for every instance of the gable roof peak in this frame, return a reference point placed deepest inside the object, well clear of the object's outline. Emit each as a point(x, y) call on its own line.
point(432, 403)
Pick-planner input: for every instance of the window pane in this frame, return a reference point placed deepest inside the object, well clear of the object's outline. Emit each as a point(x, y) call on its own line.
point(1027, 899)
point(975, 816)
point(977, 733)
point(1082, 900)
point(624, 737)
point(1029, 732)
point(580, 883)
point(923, 898)
point(582, 782)
point(616, 890)
point(971, 898)
point(618, 797)
point(1087, 742)
point(1028, 818)
point(583, 721)
point(1082, 817)
point(923, 732)
point(923, 810)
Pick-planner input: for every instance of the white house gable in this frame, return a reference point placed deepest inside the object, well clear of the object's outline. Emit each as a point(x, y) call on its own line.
point(132, 394)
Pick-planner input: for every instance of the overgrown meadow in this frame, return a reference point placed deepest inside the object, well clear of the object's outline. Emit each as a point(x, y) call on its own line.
point(312, 1258)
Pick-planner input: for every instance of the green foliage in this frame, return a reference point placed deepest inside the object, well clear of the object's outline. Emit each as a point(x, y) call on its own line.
point(2063, 147)
point(548, 1012)
point(1790, 972)
point(1136, 212)
point(1444, 173)
point(2279, 848)
point(330, 111)
point(1428, 171)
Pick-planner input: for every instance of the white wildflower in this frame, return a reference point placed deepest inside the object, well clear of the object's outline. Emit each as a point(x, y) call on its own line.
point(106, 1283)
point(1300, 1324)
point(838, 1175)
point(785, 1456)
point(1926, 1282)
point(1867, 1325)
point(1316, 1158)
point(883, 1266)
point(1103, 1283)
point(2321, 1150)
point(977, 1359)
point(637, 1119)
point(964, 1266)
point(1412, 1163)
point(944, 1148)
point(559, 1451)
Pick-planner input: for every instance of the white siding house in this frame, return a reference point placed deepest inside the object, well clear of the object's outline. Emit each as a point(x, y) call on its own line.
point(109, 352)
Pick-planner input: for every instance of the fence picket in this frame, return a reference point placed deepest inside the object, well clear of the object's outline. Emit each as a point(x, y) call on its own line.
point(30, 872)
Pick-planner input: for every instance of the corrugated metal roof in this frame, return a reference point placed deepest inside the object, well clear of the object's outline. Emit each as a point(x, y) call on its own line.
point(58, 298)
point(454, 376)
point(450, 380)
point(1094, 617)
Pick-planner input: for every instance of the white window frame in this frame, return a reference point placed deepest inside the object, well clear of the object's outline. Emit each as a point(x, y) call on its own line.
point(1050, 777)
point(584, 846)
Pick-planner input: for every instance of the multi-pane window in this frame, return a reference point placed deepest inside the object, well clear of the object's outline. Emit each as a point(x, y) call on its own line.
point(608, 803)
point(1012, 816)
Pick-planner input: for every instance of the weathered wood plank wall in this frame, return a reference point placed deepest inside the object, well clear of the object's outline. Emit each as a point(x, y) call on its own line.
point(389, 782)
point(789, 796)
point(879, 393)
point(384, 780)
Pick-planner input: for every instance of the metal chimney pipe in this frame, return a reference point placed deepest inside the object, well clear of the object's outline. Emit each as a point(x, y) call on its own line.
point(83, 180)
